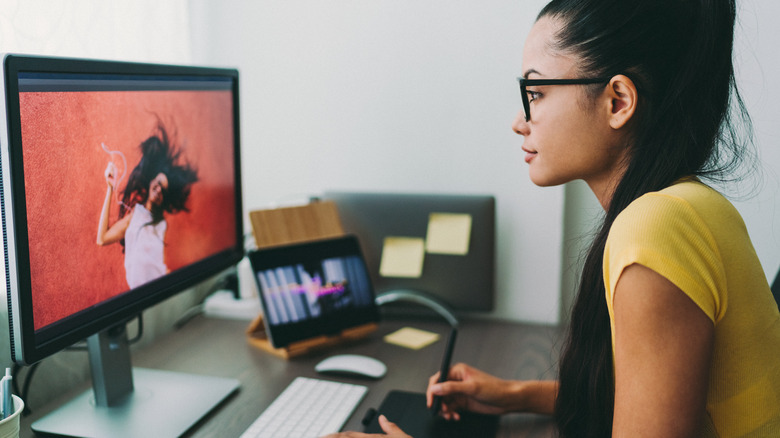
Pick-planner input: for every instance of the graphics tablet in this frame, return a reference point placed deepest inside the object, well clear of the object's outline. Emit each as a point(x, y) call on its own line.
point(409, 412)
point(313, 289)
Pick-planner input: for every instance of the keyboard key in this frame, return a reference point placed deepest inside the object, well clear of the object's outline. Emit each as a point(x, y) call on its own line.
point(307, 408)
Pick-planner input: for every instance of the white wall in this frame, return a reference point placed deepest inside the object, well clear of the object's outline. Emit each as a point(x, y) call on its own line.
point(392, 95)
point(141, 30)
point(758, 64)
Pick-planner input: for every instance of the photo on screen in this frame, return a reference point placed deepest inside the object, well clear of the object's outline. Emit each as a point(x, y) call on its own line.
point(141, 184)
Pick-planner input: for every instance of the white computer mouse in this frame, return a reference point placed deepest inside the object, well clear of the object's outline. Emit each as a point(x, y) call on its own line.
point(352, 364)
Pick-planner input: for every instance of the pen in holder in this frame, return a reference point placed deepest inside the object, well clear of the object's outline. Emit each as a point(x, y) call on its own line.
point(9, 426)
point(6, 402)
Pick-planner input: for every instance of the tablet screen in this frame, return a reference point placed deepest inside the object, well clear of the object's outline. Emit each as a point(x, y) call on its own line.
point(313, 289)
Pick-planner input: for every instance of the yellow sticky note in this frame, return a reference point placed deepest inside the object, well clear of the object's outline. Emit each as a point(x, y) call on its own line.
point(402, 257)
point(448, 233)
point(412, 338)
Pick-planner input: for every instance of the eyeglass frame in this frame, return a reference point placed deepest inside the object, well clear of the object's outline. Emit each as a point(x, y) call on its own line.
point(524, 82)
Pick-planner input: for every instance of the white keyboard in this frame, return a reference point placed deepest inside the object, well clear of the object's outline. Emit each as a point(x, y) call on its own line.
point(307, 408)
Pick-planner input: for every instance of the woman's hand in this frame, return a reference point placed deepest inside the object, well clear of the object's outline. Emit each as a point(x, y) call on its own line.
point(106, 234)
point(110, 174)
point(390, 429)
point(468, 389)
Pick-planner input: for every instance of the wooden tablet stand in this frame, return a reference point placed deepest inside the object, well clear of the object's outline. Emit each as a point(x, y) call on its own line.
point(259, 338)
point(283, 226)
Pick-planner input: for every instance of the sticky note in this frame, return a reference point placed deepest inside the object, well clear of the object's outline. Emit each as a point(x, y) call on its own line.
point(402, 257)
point(448, 233)
point(412, 338)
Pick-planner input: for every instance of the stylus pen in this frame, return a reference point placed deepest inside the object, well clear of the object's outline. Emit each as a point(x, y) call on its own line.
point(445, 369)
point(6, 401)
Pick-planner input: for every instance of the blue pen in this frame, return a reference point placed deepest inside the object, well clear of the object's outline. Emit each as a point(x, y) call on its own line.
point(6, 401)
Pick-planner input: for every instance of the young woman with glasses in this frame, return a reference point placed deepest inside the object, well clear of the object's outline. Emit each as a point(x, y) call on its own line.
point(674, 332)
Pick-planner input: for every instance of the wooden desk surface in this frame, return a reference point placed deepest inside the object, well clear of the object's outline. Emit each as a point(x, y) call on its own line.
point(218, 347)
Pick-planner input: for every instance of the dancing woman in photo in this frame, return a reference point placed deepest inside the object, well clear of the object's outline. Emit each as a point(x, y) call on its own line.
point(160, 183)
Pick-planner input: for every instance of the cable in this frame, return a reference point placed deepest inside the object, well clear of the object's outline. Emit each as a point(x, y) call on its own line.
point(140, 332)
point(25, 389)
point(229, 281)
point(27, 383)
point(188, 315)
point(82, 346)
point(14, 383)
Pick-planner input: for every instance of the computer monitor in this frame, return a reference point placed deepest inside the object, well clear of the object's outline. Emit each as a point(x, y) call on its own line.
point(438, 244)
point(121, 187)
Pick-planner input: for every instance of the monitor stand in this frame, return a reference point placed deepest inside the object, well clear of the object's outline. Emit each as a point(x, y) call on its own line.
point(131, 402)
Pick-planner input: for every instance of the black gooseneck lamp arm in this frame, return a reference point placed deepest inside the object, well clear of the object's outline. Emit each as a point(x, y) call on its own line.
point(419, 298)
point(438, 307)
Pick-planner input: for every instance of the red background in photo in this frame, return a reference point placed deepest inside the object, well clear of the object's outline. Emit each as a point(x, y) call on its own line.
point(64, 166)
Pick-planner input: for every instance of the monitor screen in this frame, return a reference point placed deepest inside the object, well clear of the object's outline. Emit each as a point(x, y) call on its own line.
point(121, 187)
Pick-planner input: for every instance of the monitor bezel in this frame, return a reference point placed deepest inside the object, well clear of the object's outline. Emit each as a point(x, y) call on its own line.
point(27, 345)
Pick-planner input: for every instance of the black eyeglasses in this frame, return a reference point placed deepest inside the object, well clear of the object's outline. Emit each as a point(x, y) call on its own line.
point(532, 82)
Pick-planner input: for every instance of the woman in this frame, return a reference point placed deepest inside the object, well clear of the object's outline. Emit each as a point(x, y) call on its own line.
point(674, 331)
point(158, 184)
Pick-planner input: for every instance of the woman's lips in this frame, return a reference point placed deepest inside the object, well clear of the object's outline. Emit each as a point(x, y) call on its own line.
point(529, 155)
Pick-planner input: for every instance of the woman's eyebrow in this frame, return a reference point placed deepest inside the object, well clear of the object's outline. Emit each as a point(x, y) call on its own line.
point(530, 71)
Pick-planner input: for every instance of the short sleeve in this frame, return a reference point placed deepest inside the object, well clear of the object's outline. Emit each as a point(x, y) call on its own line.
point(664, 233)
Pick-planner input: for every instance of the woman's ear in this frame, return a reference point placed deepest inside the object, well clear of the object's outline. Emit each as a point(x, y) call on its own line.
point(623, 100)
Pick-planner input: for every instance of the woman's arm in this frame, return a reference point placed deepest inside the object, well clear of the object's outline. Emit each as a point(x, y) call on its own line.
point(539, 396)
point(663, 351)
point(107, 235)
point(469, 389)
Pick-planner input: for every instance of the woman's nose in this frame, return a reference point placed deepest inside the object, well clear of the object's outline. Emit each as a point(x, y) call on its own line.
point(520, 126)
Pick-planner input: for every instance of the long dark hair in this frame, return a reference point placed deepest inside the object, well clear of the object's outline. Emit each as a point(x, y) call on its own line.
point(159, 154)
point(678, 53)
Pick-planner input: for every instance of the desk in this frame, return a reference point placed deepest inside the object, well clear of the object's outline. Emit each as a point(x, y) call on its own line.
point(218, 347)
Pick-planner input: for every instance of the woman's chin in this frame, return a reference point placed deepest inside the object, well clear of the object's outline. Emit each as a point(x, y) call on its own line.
point(545, 180)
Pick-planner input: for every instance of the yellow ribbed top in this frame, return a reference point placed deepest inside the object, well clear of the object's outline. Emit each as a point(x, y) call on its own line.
point(691, 235)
